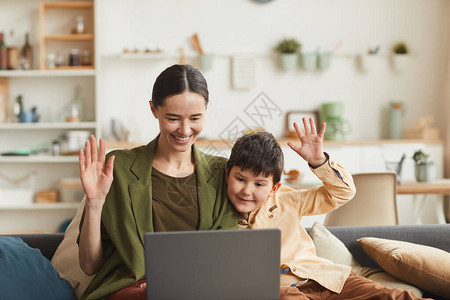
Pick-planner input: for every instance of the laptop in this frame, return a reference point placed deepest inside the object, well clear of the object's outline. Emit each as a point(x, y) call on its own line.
point(217, 264)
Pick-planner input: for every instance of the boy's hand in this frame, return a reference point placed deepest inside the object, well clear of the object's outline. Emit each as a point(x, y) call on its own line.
point(311, 148)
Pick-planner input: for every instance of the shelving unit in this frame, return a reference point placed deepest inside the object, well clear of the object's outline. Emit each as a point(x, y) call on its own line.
point(51, 91)
point(64, 36)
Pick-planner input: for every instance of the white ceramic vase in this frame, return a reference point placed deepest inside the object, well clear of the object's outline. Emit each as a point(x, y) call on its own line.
point(400, 62)
point(289, 61)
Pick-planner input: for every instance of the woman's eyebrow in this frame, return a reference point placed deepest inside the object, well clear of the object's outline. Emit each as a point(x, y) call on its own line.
point(175, 115)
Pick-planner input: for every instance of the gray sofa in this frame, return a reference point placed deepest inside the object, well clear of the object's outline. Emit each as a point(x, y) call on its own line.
point(437, 236)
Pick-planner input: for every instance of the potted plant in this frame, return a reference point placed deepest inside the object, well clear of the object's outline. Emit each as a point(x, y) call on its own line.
point(425, 170)
point(400, 56)
point(288, 49)
point(367, 61)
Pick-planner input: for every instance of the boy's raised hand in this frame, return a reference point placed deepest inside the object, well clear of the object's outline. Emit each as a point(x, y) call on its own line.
point(311, 148)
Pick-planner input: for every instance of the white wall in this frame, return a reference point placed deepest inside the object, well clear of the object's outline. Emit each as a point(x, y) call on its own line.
point(243, 26)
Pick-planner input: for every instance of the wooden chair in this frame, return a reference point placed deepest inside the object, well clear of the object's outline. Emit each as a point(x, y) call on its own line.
point(374, 203)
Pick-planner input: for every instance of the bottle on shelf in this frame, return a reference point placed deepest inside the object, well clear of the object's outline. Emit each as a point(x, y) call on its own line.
point(26, 54)
point(18, 108)
point(3, 53)
point(79, 25)
point(13, 53)
point(75, 109)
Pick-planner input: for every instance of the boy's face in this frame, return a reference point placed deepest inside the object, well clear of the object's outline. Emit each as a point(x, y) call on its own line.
point(248, 192)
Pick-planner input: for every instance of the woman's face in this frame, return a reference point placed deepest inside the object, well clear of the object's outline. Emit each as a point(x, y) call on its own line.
point(181, 119)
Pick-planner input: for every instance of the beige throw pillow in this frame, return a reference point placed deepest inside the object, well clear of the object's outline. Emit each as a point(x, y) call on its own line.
point(424, 266)
point(330, 247)
point(65, 260)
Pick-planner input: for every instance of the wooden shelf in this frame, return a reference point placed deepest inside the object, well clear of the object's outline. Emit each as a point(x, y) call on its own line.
point(70, 68)
point(57, 72)
point(141, 56)
point(39, 159)
point(72, 4)
point(121, 145)
point(70, 37)
point(47, 125)
point(42, 206)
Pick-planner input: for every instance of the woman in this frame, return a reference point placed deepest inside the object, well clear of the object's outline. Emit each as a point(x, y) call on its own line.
point(166, 185)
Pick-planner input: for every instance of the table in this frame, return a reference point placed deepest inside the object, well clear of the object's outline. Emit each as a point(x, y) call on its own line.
point(436, 187)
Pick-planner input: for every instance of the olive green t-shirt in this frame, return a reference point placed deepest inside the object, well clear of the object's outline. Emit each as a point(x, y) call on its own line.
point(175, 202)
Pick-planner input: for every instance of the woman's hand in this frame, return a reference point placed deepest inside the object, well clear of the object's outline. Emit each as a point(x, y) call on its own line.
point(311, 148)
point(96, 177)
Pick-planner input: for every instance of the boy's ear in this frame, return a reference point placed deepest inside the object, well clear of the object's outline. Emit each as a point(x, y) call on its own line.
point(275, 188)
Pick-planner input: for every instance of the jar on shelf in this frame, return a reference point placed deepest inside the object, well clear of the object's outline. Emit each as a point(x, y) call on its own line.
point(60, 60)
point(86, 58)
point(74, 58)
point(51, 61)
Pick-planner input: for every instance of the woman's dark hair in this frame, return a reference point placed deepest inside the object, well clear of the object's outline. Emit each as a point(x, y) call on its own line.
point(176, 80)
point(259, 152)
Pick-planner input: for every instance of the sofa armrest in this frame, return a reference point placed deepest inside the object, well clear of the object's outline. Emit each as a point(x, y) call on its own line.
point(47, 242)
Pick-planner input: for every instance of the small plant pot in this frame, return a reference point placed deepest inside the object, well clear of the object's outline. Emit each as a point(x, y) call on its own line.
point(425, 172)
point(365, 62)
point(309, 61)
point(288, 61)
point(324, 60)
point(206, 61)
point(400, 62)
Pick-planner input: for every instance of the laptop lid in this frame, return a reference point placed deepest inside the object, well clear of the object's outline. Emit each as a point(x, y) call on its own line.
point(217, 264)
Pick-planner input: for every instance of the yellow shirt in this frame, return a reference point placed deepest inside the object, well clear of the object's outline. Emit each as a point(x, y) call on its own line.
point(284, 211)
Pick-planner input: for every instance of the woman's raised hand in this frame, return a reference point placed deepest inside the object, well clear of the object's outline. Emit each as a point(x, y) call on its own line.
point(96, 176)
point(311, 148)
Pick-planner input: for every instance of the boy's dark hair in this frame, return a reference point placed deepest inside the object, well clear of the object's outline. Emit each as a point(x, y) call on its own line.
point(259, 152)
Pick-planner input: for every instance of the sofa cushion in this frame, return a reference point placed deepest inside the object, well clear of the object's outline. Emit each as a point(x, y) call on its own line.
point(65, 259)
point(330, 247)
point(424, 266)
point(26, 274)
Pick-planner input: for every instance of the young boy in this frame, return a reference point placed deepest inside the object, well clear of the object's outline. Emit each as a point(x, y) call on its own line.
point(253, 176)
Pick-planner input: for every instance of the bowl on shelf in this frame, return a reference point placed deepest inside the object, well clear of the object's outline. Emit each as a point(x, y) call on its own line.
point(292, 176)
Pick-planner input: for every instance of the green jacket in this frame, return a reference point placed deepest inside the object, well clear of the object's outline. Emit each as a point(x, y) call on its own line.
point(127, 214)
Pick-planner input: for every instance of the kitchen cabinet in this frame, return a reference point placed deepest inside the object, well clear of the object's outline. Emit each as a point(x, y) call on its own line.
point(51, 91)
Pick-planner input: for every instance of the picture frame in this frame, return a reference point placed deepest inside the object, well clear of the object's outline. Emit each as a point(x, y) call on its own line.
point(296, 116)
